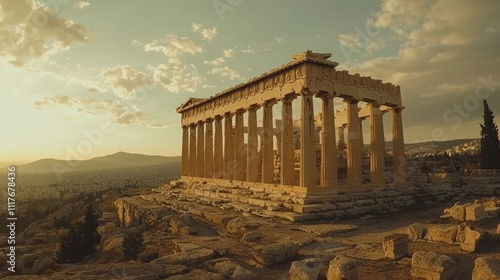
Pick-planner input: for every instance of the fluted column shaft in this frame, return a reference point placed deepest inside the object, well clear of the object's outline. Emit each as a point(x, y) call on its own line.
point(209, 149)
point(377, 146)
point(218, 149)
point(308, 170)
point(353, 143)
point(328, 147)
point(252, 146)
point(192, 150)
point(239, 144)
point(200, 159)
point(341, 140)
point(228, 147)
point(287, 151)
point(185, 150)
point(398, 153)
point(267, 143)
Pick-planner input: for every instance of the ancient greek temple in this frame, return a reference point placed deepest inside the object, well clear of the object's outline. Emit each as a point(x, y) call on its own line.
point(223, 140)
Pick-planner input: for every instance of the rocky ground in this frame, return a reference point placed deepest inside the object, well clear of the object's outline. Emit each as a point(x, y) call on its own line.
point(227, 244)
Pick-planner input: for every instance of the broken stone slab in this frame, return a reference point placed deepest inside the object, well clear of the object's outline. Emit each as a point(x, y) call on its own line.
point(198, 274)
point(186, 258)
point(275, 253)
point(395, 246)
point(475, 212)
point(432, 266)
point(342, 268)
point(486, 269)
point(442, 233)
point(471, 239)
point(416, 231)
point(308, 269)
point(457, 212)
point(230, 269)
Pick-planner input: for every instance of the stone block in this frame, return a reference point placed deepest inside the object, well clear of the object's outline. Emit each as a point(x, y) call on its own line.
point(475, 212)
point(276, 253)
point(395, 246)
point(486, 269)
point(308, 269)
point(343, 268)
point(442, 233)
point(230, 269)
point(344, 205)
point(416, 231)
point(471, 239)
point(457, 212)
point(432, 266)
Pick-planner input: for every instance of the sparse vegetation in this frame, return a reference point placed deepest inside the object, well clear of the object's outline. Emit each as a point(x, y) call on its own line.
point(133, 245)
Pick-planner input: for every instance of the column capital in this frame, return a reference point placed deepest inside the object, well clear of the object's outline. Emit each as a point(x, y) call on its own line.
point(240, 111)
point(374, 104)
point(218, 117)
point(228, 115)
point(305, 92)
point(254, 107)
point(270, 102)
point(325, 95)
point(351, 100)
point(209, 120)
point(288, 98)
point(193, 125)
point(398, 108)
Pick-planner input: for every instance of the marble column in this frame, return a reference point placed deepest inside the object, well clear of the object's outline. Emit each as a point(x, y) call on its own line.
point(328, 143)
point(361, 133)
point(218, 149)
point(209, 149)
point(252, 145)
point(200, 153)
point(185, 150)
point(398, 152)
point(228, 147)
point(239, 144)
point(267, 143)
point(341, 140)
point(354, 175)
point(192, 150)
point(377, 146)
point(308, 171)
point(287, 171)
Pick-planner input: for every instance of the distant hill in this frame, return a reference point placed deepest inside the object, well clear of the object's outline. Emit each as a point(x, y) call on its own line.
point(114, 161)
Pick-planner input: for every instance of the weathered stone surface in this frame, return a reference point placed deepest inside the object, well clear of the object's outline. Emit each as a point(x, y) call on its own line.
point(475, 212)
point(486, 269)
point(442, 233)
point(128, 270)
point(186, 258)
point(198, 275)
point(230, 269)
point(498, 229)
point(471, 239)
point(395, 246)
point(342, 268)
point(112, 242)
point(432, 266)
point(308, 269)
point(416, 231)
point(275, 253)
point(457, 212)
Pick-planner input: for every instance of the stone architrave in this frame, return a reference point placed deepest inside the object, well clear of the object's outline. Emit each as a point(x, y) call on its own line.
point(308, 170)
point(377, 146)
point(192, 150)
point(218, 149)
point(228, 147)
point(354, 175)
point(185, 150)
point(267, 143)
point(328, 147)
point(252, 145)
point(200, 153)
point(239, 145)
point(209, 149)
point(398, 153)
point(287, 151)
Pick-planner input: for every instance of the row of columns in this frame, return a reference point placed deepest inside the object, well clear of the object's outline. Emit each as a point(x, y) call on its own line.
point(236, 160)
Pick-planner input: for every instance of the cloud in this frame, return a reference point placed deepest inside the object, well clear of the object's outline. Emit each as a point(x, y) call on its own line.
point(125, 81)
point(216, 62)
point(225, 72)
point(445, 56)
point(207, 33)
point(174, 46)
point(279, 39)
point(176, 77)
point(229, 53)
point(29, 30)
point(119, 112)
point(81, 5)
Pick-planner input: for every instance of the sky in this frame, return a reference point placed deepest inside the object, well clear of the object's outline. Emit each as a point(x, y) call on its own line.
point(80, 79)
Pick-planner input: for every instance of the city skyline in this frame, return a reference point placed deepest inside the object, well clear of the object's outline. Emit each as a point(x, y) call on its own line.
point(104, 76)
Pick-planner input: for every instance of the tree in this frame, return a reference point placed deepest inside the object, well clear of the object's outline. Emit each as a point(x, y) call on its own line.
point(81, 239)
point(490, 145)
point(133, 245)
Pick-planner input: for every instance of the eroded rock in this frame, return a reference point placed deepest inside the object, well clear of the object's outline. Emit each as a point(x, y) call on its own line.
point(432, 266)
point(486, 269)
point(275, 253)
point(308, 269)
point(342, 268)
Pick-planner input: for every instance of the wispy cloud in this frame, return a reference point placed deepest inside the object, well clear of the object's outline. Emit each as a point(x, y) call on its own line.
point(216, 62)
point(225, 71)
point(207, 33)
point(176, 77)
point(173, 46)
point(125, 81)
point(229, 53)
point(81, 5)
